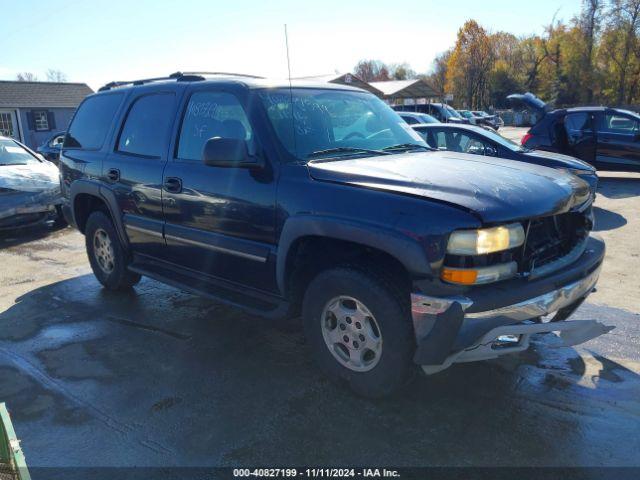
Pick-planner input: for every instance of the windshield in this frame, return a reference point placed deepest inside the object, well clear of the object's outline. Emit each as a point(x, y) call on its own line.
point(466, 114)
point(505, 142)
point(424, 118)
point(11, 153)
point(331, 123)
point(451, 112)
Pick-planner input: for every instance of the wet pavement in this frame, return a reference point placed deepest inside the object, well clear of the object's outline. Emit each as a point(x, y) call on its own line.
point(158, 377)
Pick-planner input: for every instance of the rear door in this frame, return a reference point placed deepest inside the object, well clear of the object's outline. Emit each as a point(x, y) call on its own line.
point(134, 167)
point(220, 221)
point(618, 141)
point(579, 136)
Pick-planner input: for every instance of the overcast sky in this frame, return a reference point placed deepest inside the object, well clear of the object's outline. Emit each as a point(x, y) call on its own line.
point(99, 41)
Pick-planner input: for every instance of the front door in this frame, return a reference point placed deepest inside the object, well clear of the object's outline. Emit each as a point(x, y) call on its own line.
point(9, 124)
point(134, 169)
point(580, 136)
point(219, 220)
point(618, 141)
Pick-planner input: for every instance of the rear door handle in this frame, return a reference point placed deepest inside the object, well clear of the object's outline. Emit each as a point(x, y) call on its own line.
point(113, 174)
point(173, 184)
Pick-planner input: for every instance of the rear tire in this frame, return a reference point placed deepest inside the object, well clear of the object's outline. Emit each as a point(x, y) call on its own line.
point(108, 258)
point(340, 306)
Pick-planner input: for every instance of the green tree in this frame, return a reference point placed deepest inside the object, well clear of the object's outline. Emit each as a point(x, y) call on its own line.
point(470, 65)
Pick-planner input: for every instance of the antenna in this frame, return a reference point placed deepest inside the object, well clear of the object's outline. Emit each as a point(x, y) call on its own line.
point(286, 42)
point(293, 119)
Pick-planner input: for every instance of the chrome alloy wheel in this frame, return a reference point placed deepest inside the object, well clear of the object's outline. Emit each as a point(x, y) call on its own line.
point(103, 251)
point(351, 333)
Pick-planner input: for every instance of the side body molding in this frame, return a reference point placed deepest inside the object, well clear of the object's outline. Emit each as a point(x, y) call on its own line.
point(95, 188)
point(406, 250)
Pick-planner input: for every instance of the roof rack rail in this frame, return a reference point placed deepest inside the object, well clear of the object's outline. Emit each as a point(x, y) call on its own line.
point(178, 76)
point(229, 74)
point(142, 81)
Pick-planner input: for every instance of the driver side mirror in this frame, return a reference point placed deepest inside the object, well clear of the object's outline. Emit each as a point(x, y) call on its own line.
point(227, 152)
point(490, 151)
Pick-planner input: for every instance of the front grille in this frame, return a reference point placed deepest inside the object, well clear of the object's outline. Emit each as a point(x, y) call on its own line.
point(550, 238)
point(558, 238)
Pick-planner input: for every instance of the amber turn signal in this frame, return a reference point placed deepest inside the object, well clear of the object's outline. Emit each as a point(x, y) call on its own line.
point(463, 277)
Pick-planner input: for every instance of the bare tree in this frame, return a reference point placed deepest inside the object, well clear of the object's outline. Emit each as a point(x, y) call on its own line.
point(622, 40)
point(589, 22)
point(372, 71)
point(402, 71)
point(26, 77)
point(56, 76)
point(438, 78)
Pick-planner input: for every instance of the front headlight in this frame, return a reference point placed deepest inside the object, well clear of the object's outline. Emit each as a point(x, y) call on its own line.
point(485, 240)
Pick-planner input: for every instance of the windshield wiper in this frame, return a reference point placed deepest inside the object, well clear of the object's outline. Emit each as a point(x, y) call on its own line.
point(347, 150)
point(406, 146)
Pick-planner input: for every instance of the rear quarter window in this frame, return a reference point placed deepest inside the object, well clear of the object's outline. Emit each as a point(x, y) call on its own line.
point(92, 121)
point(145, 129)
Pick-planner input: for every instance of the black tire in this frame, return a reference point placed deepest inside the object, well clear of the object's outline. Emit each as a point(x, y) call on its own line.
point(391, 311)
point(59, 220)
point(118, 278)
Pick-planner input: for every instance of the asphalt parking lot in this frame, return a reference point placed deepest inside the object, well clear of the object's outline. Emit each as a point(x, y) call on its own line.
point(159, 377)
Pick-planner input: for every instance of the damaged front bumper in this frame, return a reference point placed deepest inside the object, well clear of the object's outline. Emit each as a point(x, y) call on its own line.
point(23, 209)
point(498, 320)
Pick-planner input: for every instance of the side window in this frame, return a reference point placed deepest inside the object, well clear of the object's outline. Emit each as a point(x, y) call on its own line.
point(437, 139)
point(469, 144)
point(620, 124)
point(577, 126)
point(145, 129)
point(409, 120)
point(208, 115)
point(91, 123)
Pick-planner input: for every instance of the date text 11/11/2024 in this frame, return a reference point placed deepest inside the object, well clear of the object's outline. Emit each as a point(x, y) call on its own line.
point(315, 473)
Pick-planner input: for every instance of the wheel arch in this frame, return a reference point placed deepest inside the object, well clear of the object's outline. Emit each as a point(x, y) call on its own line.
point(87, 196)
point(337, 239)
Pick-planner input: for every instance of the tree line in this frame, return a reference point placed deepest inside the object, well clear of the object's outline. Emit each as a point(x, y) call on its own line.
point(594, 58)
point(51, 75)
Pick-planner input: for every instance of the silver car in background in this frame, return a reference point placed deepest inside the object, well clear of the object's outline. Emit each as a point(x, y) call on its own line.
point(29, 187)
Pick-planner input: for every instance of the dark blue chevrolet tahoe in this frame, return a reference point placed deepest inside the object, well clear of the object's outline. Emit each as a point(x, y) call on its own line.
point(318, 201)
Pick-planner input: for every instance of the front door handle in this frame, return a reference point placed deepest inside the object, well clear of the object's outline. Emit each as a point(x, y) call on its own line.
point(113, 174)
point(173, 184)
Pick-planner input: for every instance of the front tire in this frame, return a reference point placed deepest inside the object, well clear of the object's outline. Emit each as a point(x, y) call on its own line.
point(360, 330)
point(108, 259)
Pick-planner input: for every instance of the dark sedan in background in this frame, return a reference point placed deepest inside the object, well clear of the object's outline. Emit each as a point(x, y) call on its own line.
point(440, 111)
point(493, 121)
point(50, 148)
point(607, 138)
point(414, 118)
point(481, 141)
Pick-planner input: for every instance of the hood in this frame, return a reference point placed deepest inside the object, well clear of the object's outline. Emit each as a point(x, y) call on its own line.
point(495, 189)
point(557, 160)
point(32, 177)
point(528, 101)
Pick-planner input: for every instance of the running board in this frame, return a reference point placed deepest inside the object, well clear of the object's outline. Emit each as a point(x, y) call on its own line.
point(262, 305)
